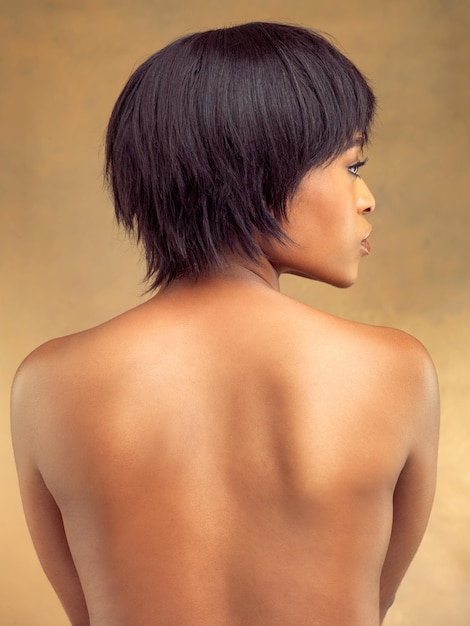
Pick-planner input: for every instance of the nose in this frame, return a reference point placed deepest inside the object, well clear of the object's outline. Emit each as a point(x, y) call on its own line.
point(365, 198)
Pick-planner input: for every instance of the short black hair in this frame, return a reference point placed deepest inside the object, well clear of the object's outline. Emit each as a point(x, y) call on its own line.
point(212, 134)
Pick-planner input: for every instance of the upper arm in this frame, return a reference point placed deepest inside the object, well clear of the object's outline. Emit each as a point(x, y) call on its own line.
point(415, 487)
point(41, 511)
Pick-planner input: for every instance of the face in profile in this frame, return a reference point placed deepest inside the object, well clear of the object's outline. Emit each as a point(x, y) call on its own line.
point(327, 223)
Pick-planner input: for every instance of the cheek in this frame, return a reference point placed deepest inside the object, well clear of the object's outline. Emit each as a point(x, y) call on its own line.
point(319, 232)
point(306, 221)
point(321, 221)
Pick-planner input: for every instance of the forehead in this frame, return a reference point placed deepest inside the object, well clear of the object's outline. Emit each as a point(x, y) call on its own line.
point(357, 141)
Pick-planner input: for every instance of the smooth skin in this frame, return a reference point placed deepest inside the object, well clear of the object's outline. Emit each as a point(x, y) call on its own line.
point(223, 455)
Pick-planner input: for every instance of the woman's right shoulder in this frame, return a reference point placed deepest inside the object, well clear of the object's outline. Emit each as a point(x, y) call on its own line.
point(389, 345)
point(391, 360)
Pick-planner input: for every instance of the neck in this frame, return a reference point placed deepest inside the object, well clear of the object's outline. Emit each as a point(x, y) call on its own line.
point(262, 273)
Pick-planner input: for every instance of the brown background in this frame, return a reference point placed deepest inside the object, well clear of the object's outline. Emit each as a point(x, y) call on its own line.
point(66, 267)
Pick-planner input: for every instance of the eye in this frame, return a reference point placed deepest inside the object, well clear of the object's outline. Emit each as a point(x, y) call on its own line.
point(354, 168)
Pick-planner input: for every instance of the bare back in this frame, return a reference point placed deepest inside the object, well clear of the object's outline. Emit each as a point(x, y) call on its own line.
point(222, 456)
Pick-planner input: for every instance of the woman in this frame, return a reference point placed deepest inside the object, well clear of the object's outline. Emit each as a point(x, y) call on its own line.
point(222, 454)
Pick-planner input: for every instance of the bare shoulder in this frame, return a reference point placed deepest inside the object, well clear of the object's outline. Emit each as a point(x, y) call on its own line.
point(64, 384)
point(393, 357)
point(404, 371)
point(380, 371)
point(73, 359)
point(48, 368)
point(55, 379)
point(35, 376)
point(39, 388)
point(46, 398)
point(401, 359)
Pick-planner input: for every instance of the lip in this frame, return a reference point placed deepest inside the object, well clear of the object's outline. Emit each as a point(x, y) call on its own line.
point(365, 245)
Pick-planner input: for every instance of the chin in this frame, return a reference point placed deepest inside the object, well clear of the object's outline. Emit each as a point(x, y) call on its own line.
point(342, 284)
point(342, 281)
